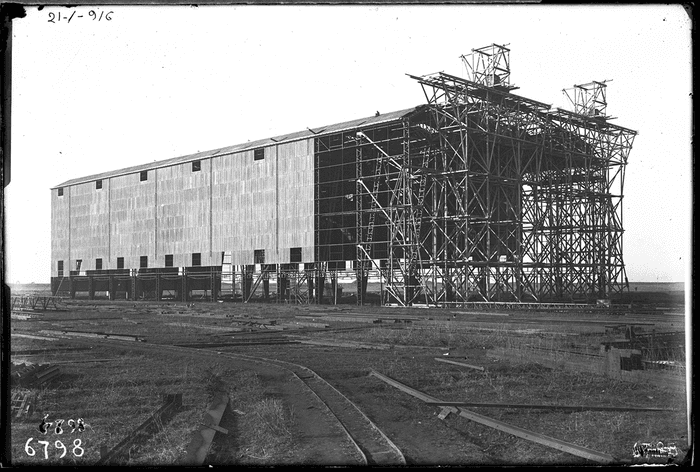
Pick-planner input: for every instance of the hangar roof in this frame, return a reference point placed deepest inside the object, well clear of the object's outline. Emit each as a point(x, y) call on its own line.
point(285, 138)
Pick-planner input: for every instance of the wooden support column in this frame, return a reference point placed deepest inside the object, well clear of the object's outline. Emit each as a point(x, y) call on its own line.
point(266, 285)
point(449, 287)
point(185, 295)
point(247, 280)
point(282, 286)
point(278, 296)
point(320, 281)
point(110, 287)
point(310, 284)
point(362, 277)
point(215, 282)
point(71, 286)
point(159, 289)
point(91, 288)
point(410, 288)
point(334, 285)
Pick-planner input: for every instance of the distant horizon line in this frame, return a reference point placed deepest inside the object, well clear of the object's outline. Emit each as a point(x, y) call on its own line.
point(631, 283)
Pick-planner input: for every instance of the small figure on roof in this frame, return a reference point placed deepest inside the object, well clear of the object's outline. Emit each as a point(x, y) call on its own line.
point(377, 114)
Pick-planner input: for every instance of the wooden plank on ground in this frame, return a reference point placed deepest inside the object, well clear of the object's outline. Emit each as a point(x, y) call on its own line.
point(201, 441)
point(476, 367)
point(350, 344)
point(548, 407)
point(570, 448)
point(31, 336)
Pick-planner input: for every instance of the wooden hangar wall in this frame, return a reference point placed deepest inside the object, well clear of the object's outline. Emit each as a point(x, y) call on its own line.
point(238, 203)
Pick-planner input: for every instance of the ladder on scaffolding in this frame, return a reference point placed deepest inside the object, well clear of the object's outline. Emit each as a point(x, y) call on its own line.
point(417, 220)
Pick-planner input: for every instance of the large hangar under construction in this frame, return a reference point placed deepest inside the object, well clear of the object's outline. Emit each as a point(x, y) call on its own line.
point(477, 195)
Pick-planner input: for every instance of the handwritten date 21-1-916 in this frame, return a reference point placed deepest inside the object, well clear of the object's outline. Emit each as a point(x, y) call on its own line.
point(92, 14)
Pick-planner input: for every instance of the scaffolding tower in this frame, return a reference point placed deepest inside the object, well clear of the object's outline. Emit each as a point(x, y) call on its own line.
point(484, 195)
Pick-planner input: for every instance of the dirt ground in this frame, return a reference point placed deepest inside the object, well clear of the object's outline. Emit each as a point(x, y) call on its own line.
point(115, 384)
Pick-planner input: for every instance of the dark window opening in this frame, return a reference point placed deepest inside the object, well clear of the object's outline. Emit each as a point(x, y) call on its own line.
point(295, 254)
point(143, 262)
point(259, 256)
point(196, 166)
point(60, 192)
point(98, 184)
point(78, 263)
point(168, 260)
point(60, 268)
point(98, 264)
point(144, 175)
point(259, 154)
point(196, 259)
point(120, 262)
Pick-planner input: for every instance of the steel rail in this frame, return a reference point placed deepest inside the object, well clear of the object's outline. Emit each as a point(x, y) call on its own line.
point(371, 441)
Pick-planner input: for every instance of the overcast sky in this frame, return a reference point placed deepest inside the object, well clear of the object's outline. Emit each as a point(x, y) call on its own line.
point(92, 95)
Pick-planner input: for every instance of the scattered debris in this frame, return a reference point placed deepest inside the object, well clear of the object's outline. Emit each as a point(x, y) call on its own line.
point(459, 364)
point(239, 343)
point(619, 364)
point(23, 303)
point(17, 316)
point(81, 361)
point(306, 324)
point(91, 334)
point(25, 375)
point(22, 403)
point(49, 351)
point(351, 344)
point(212, 328)
point(31, 336)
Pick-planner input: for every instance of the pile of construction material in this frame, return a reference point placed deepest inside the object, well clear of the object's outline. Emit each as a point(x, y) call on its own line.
point(33, 375)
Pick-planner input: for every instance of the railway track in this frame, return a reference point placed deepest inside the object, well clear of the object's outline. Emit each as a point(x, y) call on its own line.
point(374, 447)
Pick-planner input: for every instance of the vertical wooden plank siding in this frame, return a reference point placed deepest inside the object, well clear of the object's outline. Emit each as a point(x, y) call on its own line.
point(89, 220)
point(183, 215)
point(132, 219)
point(296, 198)
point(259, 204)
point(232, 204)
point(59, 231)
point(243, 202)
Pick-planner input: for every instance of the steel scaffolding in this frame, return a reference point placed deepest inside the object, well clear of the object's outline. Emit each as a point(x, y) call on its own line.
point(482, 195)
